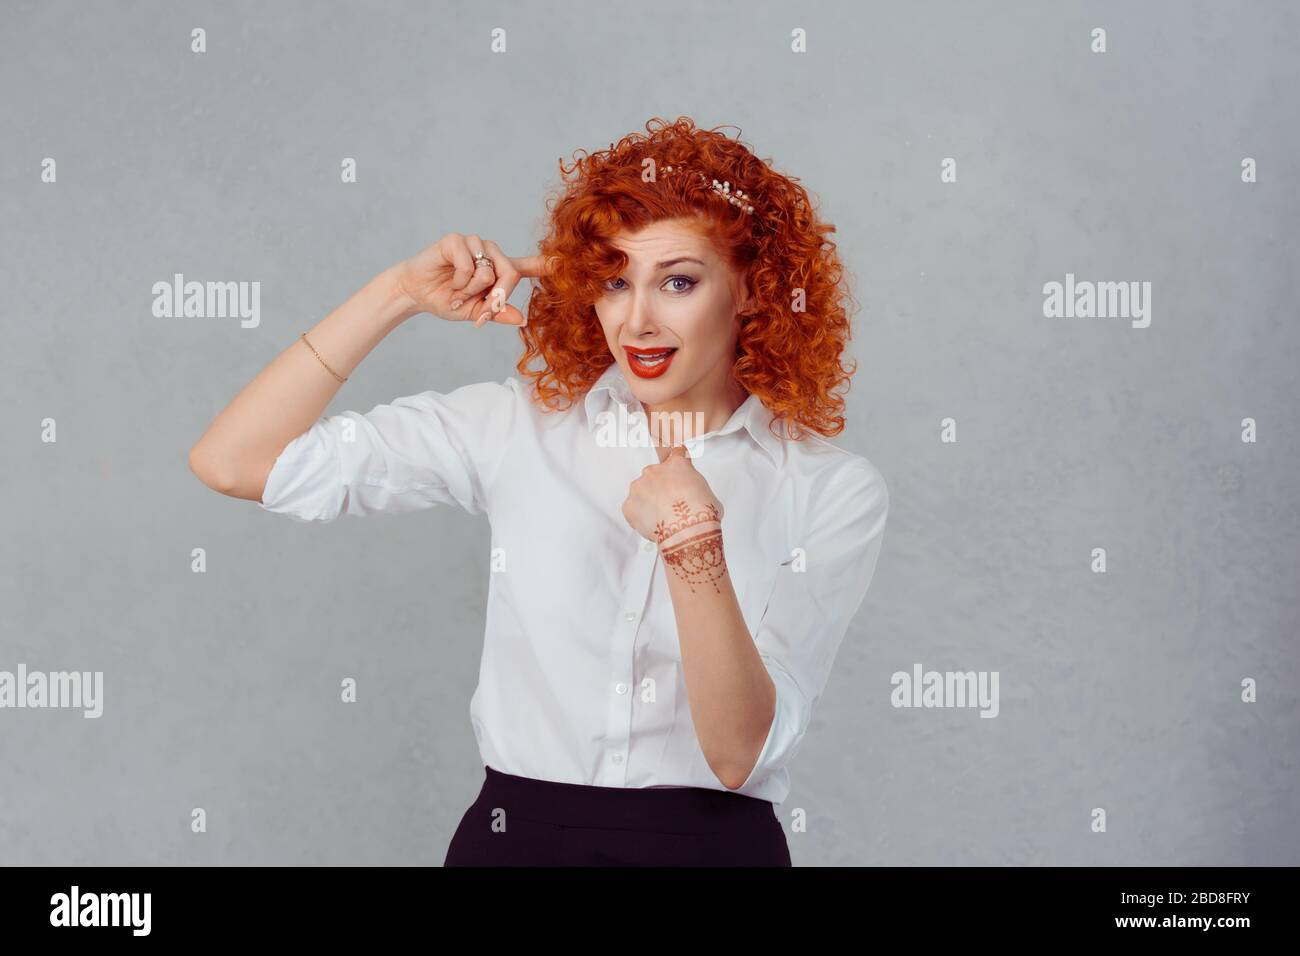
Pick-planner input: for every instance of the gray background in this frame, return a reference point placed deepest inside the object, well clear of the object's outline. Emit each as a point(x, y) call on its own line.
point(222, 689)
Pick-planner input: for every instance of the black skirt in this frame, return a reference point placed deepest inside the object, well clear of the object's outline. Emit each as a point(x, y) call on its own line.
point(519, 821)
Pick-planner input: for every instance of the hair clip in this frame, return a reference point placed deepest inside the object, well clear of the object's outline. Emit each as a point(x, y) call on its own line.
point(738, 199)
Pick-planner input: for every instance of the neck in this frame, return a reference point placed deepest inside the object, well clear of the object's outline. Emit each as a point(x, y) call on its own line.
point(703, 409)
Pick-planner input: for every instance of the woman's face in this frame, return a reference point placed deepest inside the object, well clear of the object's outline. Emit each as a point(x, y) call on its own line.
point(670, 317)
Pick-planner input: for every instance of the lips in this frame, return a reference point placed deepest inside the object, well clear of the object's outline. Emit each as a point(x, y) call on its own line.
point(649, 363)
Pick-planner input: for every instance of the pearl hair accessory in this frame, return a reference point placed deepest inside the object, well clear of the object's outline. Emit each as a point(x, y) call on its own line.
point(738, 199)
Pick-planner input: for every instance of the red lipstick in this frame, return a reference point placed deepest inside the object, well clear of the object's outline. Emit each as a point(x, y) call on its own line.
point(649, 363)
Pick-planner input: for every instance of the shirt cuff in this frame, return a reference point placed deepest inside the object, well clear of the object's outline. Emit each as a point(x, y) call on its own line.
point(306, 480)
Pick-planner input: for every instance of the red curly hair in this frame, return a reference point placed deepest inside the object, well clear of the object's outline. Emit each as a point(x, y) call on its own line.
point(790, 359)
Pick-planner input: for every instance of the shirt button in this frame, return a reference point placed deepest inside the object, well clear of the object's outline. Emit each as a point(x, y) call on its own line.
point(621, 688)
point(617, 758)
point(647, 545)
point(630, 616)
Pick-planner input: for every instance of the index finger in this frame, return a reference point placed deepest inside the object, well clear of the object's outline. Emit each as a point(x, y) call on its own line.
point(533, 267)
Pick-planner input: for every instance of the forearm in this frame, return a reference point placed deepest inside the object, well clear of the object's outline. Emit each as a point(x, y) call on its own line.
point(236, 453)
point(732, 698)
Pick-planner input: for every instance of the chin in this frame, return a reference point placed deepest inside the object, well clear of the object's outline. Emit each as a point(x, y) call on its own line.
point(652, 391)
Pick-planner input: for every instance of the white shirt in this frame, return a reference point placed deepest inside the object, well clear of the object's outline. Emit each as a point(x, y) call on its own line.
point(581, 676)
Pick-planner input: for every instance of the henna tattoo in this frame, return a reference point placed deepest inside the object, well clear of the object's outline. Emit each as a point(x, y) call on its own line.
point(699, 558)
point(685, 519)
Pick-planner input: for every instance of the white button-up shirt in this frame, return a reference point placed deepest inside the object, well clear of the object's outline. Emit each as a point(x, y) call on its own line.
point(581, 678)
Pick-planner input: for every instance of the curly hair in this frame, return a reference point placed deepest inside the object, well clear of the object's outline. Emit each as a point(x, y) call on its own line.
point(792, 334)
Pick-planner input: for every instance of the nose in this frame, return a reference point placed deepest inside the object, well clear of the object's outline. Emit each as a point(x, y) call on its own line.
point(640, 315)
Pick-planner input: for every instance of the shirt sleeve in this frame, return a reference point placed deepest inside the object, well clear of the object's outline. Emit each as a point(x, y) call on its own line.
point(809, 611)
point(422, 450)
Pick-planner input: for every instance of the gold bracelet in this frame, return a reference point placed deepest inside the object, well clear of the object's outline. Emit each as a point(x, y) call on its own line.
point(321, 360)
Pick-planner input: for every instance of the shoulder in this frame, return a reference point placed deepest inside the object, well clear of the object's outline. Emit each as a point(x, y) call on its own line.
point(837, 481)
point(483, 404)
point(493, 412)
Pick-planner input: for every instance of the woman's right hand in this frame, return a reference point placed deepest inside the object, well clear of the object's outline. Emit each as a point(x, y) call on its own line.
point(445, 280)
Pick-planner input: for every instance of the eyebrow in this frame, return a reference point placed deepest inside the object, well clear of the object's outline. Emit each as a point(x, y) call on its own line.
point(673, 262)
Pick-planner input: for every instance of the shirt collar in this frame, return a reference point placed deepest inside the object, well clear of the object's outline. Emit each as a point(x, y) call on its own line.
point(752, 415)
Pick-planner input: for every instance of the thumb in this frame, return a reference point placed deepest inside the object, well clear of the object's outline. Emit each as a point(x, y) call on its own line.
point(533, 267)
point(678, 451)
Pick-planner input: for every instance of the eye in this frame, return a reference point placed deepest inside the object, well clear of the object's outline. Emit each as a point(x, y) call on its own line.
point(687, 284)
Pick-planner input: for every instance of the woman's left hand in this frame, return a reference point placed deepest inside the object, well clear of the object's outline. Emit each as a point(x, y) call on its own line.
point(667, 493)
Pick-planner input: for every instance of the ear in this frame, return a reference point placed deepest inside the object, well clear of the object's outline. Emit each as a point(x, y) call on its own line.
point(743, 301)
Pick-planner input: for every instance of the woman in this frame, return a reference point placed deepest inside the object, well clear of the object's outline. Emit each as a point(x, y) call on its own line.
point(677, 549)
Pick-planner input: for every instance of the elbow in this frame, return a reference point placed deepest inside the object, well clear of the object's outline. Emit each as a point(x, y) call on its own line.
point(734, 780)
point(209, 470)
point(735, 772)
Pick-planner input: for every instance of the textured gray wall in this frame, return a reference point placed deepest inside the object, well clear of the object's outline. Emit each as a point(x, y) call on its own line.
point(1119, 691)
